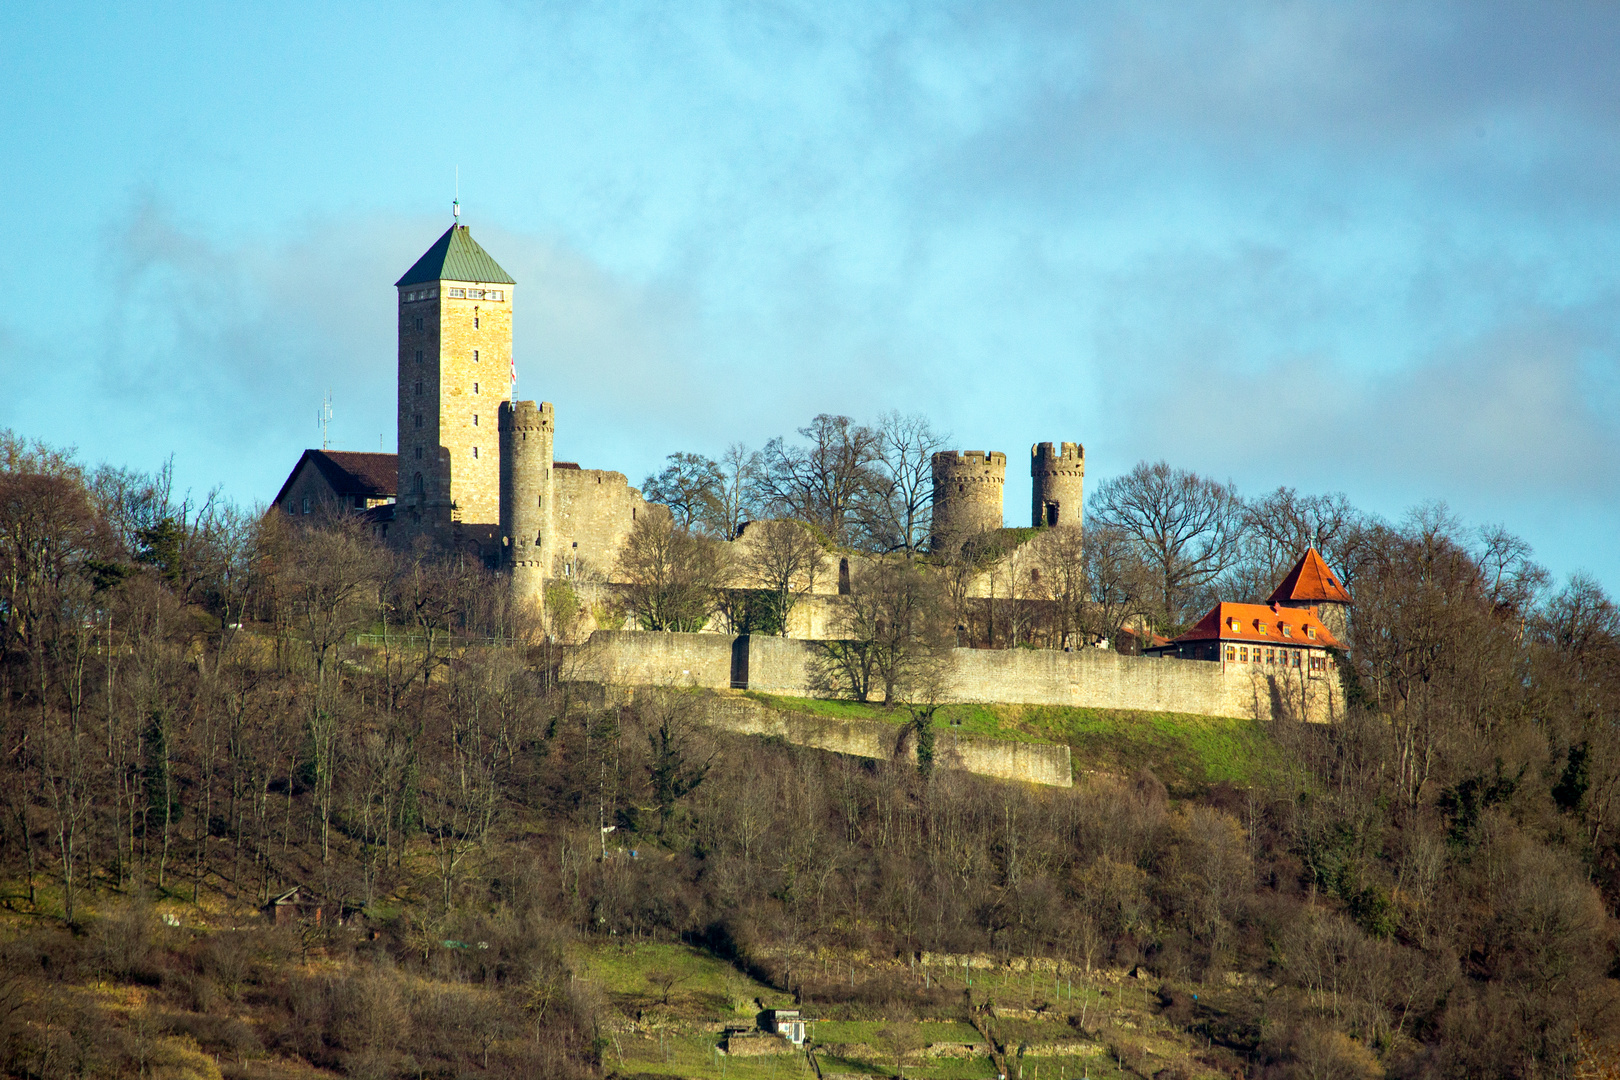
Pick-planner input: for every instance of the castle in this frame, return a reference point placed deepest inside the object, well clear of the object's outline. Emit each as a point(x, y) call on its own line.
point(475, 470)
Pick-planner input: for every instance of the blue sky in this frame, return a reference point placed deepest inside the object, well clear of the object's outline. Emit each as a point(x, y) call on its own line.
point(1370, 248)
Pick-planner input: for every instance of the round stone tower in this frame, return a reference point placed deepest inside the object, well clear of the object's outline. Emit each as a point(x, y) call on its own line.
point(967, 493)
point(1057, 482)
point(526, 431)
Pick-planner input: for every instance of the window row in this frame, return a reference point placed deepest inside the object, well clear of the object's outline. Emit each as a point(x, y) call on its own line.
point(476, 294)
point(1243, 654)
point(421, 294)
point(1264, 627)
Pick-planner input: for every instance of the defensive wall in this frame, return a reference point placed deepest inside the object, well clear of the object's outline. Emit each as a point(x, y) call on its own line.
point(1087, 678)
point(595, 510)
point(1002, 759)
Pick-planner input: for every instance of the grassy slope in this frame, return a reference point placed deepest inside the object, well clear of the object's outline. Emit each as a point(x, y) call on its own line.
point(1187, 752)
point(680, 1039)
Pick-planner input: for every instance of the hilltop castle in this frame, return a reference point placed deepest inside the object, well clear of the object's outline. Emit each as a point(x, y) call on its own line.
point(475, 469)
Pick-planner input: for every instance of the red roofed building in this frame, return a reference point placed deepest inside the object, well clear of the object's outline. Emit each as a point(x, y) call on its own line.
point(1266, 636)
point(1311, 584)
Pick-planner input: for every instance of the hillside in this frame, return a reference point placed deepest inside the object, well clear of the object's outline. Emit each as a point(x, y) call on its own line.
point(502, 873)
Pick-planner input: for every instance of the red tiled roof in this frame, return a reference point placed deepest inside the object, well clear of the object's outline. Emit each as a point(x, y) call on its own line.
point(350, 473)
point(1272, 625)
point(1154, 640)
point(1310, 581)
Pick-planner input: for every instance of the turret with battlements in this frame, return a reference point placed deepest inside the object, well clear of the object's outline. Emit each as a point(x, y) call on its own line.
point(1057, 484)
point(967, 493)
point(527, 528)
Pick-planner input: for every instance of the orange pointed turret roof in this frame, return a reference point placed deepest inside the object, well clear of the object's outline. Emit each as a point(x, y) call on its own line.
point(1310, 581)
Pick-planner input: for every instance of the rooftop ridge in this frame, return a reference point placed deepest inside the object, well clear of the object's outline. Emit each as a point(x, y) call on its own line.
point(456, 256)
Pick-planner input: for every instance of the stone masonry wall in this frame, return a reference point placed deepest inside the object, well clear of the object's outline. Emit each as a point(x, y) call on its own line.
point(637, 658)
point(1036, 763)
point(1089, 678)
point(475, 376)
point(595, 510)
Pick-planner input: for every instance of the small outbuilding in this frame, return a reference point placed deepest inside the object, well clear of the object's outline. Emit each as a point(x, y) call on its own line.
point(787, 1023)
point(300, 905)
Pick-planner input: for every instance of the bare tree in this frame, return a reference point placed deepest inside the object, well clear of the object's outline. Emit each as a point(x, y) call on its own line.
point(1118, 584)
point(1280, 526)
point(825, 480)
point(899, 1041)
point(328, 579)
point(673, 574)
point(897, 512)
point(689, 485)
point(894, 636)
point(1058, 555)
point(665, 980)
point(737, 492)
point(1184, 523)
point(1513, 580)
point(782, 559)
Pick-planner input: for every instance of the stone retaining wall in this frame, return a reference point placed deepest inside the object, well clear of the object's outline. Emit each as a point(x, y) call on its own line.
point(1091, 678)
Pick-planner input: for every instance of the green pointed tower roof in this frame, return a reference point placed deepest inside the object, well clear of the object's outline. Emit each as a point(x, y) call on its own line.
point(456, 256)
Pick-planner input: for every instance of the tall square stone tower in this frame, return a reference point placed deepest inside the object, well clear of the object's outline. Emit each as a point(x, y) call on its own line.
point(455, 368)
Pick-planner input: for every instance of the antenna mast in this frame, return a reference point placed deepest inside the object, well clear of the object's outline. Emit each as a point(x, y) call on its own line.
point(455, 206)
point(326, 417)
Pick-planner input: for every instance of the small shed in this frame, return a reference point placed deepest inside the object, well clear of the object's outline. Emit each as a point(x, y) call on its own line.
point(300, 905)
point(787, 1023)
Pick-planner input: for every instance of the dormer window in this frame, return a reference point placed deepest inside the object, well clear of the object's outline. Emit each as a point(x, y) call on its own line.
point(1310, 632)
point(1287, 631)
point(1261, 625)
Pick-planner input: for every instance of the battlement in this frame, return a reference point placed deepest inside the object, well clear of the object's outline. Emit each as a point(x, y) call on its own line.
point(524, 416)
point(1057, 490)
point(967, 492)
point(993, 461)
point(1044, 456)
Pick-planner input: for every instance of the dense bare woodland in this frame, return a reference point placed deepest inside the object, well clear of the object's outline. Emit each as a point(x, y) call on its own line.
point(201, 706)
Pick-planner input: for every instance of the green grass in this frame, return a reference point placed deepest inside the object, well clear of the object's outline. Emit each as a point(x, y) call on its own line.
point(836, 708)
point(707, 988)
point(1187, 752)
point(694, 1056)
point(869, 1031)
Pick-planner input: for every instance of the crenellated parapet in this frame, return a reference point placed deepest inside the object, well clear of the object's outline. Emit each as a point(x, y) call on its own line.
point(526, 433)
point(1057, 484)
point(968, 486)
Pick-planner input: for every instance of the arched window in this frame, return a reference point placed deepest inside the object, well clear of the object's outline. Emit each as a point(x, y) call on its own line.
point(417, 487)
point(843, 577)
